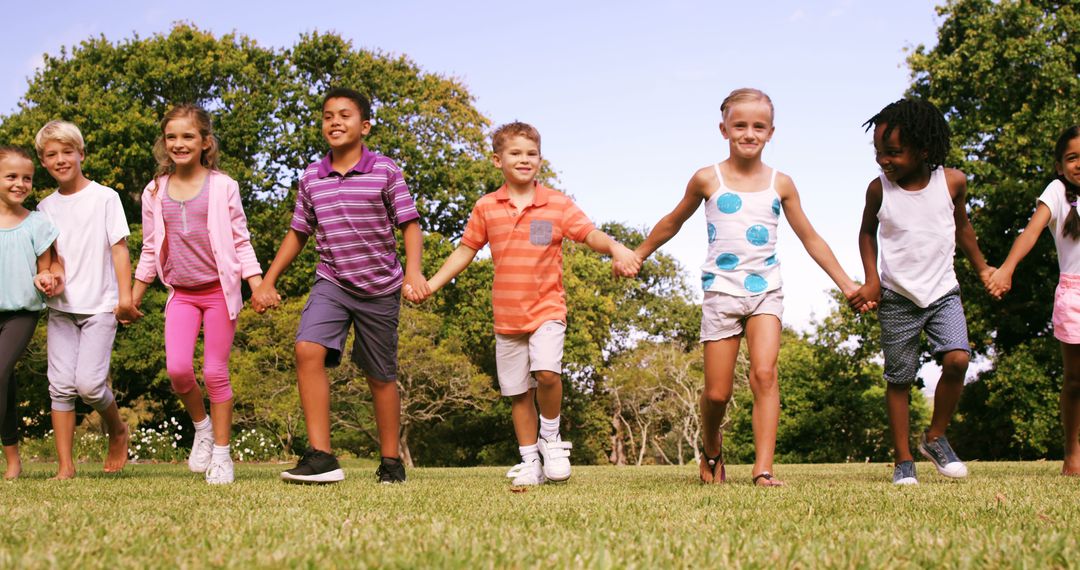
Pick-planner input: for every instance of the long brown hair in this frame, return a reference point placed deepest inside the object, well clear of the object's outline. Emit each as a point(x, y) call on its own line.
point(1071, 226)
point(205, 125)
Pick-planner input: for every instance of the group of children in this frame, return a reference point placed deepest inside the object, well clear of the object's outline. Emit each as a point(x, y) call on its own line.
point(71, 255)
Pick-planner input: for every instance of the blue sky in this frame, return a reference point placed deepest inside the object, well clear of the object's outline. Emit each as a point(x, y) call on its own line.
point(625, 94)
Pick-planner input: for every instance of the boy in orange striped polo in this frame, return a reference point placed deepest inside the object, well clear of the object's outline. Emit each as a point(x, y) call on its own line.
point(525, 223)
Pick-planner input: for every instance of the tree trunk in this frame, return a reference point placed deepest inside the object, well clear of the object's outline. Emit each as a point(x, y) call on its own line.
point(403, 448)
point(618, 449)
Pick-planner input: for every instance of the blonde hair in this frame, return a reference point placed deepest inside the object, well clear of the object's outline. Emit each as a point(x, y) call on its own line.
point(204, 124)
point(745, 94)
point(63, 132)
point(516, 129)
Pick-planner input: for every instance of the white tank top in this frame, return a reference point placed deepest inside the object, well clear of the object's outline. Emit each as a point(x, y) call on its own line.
point(742, 240)
point(917, 239)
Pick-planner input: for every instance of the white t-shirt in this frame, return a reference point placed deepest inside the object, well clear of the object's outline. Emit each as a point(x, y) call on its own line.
point(90, 221)
point(1068, 248)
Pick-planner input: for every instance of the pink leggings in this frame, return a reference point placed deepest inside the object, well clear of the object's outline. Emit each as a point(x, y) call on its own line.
point(187, 311)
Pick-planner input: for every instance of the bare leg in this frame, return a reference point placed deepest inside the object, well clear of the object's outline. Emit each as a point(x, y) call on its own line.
point(118, 439)
point(387, 402)
point(954, 367)
point(549, 391)
point(314, 389)
point(14, 462)
point(763, 342)
point(898, 405)
point(221, 418)
point(523, 414)
point(720, 358)
point(63, 423)
point(193, 403)
point(1070, 408)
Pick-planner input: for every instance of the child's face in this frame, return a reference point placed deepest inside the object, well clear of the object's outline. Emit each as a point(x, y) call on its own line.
point(62, 160)
point(16, 180)
point(1069, 166)
point(898, 161)
point(748, 126)
point(184, 143)
point(343, 126)
point(519, 160)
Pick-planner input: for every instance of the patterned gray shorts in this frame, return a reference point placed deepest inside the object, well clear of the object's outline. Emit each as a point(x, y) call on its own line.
point(902, 321)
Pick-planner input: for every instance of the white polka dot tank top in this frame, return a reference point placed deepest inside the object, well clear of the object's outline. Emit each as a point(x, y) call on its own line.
point(742, 240)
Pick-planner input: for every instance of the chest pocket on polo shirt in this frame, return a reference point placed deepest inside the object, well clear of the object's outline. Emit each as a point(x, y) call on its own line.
point(540, 232)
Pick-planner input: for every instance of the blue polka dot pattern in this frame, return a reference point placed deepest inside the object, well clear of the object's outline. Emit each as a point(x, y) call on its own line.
point(770, 261)
point(776, 207)
point(757, 234)
point(707, 280)
point(755, 283)
point(712, 233)
point(729, 203)
point(727, 261)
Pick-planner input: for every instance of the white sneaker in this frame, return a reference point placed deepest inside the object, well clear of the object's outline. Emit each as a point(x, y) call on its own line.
point(556, 456)
point(531, 473)
point(220, 472)
point(202, 448)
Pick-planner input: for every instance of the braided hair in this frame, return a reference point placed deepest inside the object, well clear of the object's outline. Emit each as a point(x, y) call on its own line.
point(1071, 226)
point(921, 126)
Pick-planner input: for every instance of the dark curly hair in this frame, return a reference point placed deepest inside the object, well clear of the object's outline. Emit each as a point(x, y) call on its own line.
point(1071, 226)
point(922, 127)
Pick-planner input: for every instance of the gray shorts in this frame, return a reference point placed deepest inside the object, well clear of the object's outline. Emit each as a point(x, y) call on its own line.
point(80, 351)
point(724, 316)
point(902, 321)
point(329, 312)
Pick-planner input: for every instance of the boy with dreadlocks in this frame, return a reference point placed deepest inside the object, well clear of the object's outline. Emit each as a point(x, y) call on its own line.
point(916, 215)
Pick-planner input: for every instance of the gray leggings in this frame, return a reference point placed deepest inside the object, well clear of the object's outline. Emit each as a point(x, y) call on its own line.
point(16, 330)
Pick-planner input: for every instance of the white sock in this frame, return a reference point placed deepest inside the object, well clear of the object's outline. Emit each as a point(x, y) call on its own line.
point(529, 453)
point(549, 429)
point(221, 451)
point(204, 425)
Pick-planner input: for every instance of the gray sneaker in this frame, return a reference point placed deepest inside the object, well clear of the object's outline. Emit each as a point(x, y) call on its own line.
point(942, 455)
point(904, 474)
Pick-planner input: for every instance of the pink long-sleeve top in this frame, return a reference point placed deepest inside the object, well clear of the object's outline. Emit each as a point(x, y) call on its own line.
point(230, 241)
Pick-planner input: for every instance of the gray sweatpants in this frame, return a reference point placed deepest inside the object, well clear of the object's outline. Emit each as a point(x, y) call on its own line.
point(80, 350)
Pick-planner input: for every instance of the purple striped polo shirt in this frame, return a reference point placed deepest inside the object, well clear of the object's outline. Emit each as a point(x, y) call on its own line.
point(352, 218)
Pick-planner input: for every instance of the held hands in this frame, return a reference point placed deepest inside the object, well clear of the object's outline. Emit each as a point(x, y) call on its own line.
point(51, 284)
point(998, 283)
point(624, 261)
point(264, 297)
point(864, 298)
point(127, 312)
point(416, 288)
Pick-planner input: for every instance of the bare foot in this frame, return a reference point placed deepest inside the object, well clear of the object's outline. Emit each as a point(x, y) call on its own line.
point(14, 469)
point(711, 471)
point(118, 451)
point(766, 479)
point(1071, 467)
point(63, 474)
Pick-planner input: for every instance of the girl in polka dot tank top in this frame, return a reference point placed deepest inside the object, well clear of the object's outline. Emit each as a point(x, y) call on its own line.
point(741, 275)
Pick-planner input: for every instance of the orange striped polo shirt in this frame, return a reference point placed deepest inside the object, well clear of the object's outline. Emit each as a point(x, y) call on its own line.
point(526, 248)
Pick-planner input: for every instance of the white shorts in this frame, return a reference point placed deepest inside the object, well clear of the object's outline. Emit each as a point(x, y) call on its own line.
point(517, 356)
point(724, 316)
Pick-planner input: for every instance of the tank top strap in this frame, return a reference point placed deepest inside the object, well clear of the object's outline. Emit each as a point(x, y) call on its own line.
point(719, 177)
point(772, 180)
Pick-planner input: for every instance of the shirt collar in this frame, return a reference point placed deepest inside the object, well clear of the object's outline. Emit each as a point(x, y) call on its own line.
point(540, 195)
point(363, 166)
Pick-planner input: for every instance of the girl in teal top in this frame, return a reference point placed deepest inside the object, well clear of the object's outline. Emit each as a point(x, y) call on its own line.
point(26, 274)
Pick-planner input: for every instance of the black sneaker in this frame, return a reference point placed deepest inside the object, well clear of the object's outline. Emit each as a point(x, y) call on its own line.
point(315, 467)
point(390, 470)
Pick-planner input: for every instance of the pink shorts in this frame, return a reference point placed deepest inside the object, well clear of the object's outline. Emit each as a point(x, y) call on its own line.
point(1066, 317)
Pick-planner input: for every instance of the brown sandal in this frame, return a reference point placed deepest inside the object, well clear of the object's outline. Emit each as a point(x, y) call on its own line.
point(769, 480)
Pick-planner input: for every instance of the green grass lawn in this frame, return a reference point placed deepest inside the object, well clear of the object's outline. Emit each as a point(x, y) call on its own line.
point(1021, 515)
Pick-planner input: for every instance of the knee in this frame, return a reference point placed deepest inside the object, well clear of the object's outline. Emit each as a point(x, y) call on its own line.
point(547, 378)
point(955, 364)
point(96, 394)
point(763, 378)
point(716, 396)
point(310, 353)
point(1070, 384)
point(180, 370)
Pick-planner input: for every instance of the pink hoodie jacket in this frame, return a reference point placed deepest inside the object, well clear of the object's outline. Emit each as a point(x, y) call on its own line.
point(229, 238)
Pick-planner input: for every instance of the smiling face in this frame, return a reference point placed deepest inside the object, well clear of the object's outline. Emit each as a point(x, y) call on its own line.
point(63, 161)
point(343, 125)
point(1068, 165)
point(16, 180)
point(899, 162)
point(747, 126)
point(519, 160)
point(184, 143)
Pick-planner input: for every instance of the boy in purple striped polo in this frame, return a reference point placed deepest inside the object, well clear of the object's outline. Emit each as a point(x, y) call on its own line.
point(351, 200)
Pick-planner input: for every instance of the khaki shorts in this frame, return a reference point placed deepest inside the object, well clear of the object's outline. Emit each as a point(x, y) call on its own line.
point(724, 316)
point(517, 356)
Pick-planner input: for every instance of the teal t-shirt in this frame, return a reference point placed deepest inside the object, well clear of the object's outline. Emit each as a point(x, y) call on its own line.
point(20, 247)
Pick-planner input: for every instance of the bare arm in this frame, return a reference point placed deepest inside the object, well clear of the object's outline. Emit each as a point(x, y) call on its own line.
point(415, 287)
point(265, 295)
point(965, 234)
point(811, 240)
point(126, 312)
point(696, 191)
point(870, 293)
point(1001, 280)
point(624, 262)
point(455, 264)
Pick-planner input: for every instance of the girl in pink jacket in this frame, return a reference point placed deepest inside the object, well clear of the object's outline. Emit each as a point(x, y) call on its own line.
point(195, 238)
